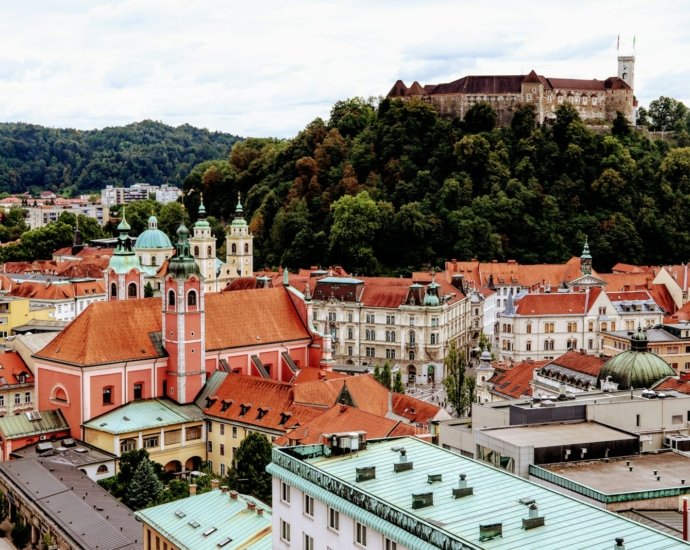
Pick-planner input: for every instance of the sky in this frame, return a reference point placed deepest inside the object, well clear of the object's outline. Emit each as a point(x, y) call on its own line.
point(268, 68)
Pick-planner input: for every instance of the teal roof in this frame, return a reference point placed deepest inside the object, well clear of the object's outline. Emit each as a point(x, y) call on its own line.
point(124, 258)
point(19, 425)
point(153, 238)
point(182, 264)
point(384, 503)
point(143, 415)
point(201, 222)
point(635, 369)
point(231, 519)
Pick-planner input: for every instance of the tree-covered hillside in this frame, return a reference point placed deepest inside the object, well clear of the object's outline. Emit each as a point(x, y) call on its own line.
point(392, 188)
point(71, 161)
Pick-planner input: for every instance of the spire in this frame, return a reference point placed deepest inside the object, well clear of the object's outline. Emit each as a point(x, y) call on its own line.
point(202, 209)
point(510, 307)
point(307, 293)
point(286, 277)
point(182, 264)
point(239, 211)
point(124, 242)
point(586, 260)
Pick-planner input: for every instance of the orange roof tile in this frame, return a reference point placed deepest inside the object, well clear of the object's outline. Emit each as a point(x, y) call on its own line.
point(43, 291)
point(556, 304)
point(117, 331)
point(514, 383)
point(11, 366)
point(341, 418)
point(415, 410)
point(579, 362)
point(628, 268)
point(677, 384)
point(310, 374)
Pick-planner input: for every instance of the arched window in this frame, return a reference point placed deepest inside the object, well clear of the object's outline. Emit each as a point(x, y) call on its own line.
point(613, 325)
point(191, 298)
point(604, 327)
point(154, 260)
point(113, 290)
point(590, 344)
point(196, 251)
point(392, 336)
point(209, 252)
point(551, 345)
point(246, 248)
point(546, 345)
point(171, 298)
point(102, 469)
point(433, 339)
point(528, 346)
point(59, 394)
point(590, 326)
point(413, 337)
point(234, 248)
point(132, 290)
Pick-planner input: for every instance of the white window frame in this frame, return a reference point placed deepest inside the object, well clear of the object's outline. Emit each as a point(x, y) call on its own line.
point(308, 542)
point(308, 509)
point(284, 531)
point(333, 520)
point(284, 492)
point(360, 534)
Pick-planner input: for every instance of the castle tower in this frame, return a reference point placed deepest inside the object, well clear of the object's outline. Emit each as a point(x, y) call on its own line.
point(183, 325)
point(124, 278)
point(586, 260)
point(626, 69)
point(239, 244)
point(203, 247)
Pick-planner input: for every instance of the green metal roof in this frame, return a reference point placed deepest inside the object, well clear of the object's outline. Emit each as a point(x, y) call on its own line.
point(635, 369)
point(231, 518)
point(19, 425)
point(144, 415)
point(152, 239)
point(385, 503)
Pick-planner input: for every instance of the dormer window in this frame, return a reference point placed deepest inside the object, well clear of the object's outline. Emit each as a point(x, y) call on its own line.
point(284, 417)
point(244, 407)
point(226, 405)
point(262, 412)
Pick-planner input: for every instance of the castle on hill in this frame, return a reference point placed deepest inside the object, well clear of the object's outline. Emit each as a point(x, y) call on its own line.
point(594, 99)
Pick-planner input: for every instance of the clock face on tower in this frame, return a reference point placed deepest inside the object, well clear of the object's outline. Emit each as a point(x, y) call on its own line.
point(625, 67)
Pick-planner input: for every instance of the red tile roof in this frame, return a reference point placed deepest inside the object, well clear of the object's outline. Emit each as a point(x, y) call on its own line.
point(514, 383)
point(628, 268)
point(117, 331)
point(579, 362)
point(310, 374)
point(11, 366)
point(19, 268)
point(43, 291)
point(629, 296)
point(556, 304)
point(341, 418)
point(677, 384)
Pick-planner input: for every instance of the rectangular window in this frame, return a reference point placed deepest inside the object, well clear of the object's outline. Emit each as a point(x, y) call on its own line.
point(150, 442)
point(221, 429)
point(209, 446)
point(284, 531)
point(234, 432)
point(671, 350)
point(173, 436)
point(209, 426)
point(334, 515)
point(17, 398)
point(308, 505)
point(284, 492)
point(138, 390)
point(360, 534)
point(349, 350)
point(27, 397)
point(391, 545)
point(637, 420)
point(107, 396)
point(411, 321)
point(349, 317)
point(308, 542)
point(193, 433)
point(221, 449)
point(2, 400)
point(222, 469)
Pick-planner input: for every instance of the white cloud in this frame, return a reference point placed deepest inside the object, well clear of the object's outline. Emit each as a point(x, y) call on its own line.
point(269, 68)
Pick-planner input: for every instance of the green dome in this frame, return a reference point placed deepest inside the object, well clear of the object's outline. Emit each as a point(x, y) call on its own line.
point(431, 295)
point(153, 237)
point(637, 367)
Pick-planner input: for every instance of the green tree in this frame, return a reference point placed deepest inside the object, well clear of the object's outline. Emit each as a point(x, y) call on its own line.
point(481, 117)
point(524, 122)
point(621, 127)
point(39, 244)
point(176, 489)
point(665, 112)
point(398, 386)
point(355, 224)
point(21, 533)
point(455, 379)
point(386, 377)
point(144, 488)
point(377, 373)
point(148, 290)
point(251, 459)
point(46, 541)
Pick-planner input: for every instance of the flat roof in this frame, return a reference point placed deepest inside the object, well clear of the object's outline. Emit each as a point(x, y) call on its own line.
point(615, 477)
point(595, 397)
point(231, 518)
point(385, 502)
point(65, 450)
point(550, 435)
point(144, 414)
point(654, 335)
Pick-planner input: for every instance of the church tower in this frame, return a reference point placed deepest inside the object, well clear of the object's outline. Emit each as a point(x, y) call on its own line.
point(183, 327)
point(203, 246)
point(626, 69)
point(239, 244)
point(586, 260)
point(124, 278)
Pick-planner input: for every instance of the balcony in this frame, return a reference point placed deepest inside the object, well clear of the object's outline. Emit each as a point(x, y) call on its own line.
point(411, 345)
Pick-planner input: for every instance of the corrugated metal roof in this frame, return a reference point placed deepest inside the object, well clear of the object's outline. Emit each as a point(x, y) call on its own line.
point(230, 517)
point(19, 425)
point(569, 523)
point(142, 415)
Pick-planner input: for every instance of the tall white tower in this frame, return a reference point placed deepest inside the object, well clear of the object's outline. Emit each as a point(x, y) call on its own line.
point(239, 244)
point(203, 248)
point(626, 69)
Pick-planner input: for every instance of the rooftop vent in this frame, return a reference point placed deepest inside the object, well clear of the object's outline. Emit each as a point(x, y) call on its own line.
point(43, 447)
point(69, 442)
point(81, 450)
point(402, 465)
point(462, 490)
point(422, 500)
point(490, 531)
point(209, 531)
point(619, 544)
point(180, 513)
point(433, 478)
point(226, 540)
point(365, 474)
point(194, 524)
point(533, 520)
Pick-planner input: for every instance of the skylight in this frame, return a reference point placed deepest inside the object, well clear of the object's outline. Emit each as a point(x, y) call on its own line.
point(180, 513)
point(210, 531)
point(224, 542)
point(194, 524)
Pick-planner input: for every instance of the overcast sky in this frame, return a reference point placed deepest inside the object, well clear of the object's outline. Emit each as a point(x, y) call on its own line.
point(264, 68)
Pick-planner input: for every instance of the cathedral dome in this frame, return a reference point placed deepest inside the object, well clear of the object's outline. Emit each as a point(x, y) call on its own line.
point(637, 367)
point(153, 238)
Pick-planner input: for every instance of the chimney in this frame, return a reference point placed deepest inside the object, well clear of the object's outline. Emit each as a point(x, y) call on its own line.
point(233, 495)
point(684, 375)
point(224, 488)
point(619, 544)
point(462, 489)
point(649, 283)
point(402, 465)
point(260, 511)
point(214, 484)
point(251, 505)
point(192, 489)
point(533, 520)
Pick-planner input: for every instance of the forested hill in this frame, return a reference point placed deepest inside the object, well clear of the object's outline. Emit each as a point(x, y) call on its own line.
point(71, 161)
point(393, 188)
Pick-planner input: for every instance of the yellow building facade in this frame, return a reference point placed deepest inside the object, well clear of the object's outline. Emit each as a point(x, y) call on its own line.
point(15, 312)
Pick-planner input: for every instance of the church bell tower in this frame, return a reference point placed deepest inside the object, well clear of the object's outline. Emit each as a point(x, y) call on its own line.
point(239, 244)
point(626, 69)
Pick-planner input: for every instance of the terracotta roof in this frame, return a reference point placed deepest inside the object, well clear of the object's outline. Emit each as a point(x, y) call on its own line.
point(677, 384)
point(310, 374)
point(341, 418)
point(683, 314)
point(271, 396)
point(89, 288)
point(11, 366)
point(415, 410)
point(43, 291)
point(117, 331)
point(532, 77)
point(628, 268)
point(19, 268)
point(482, 85)
point(398, 89)
point(416, 89)
point(514, 383)
point(617, 281)
point(579, 362)
point(78, 269)
point(679, 274)
point(556, 304)
point(578, 84)
point(241, 283)
point(661, 295)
